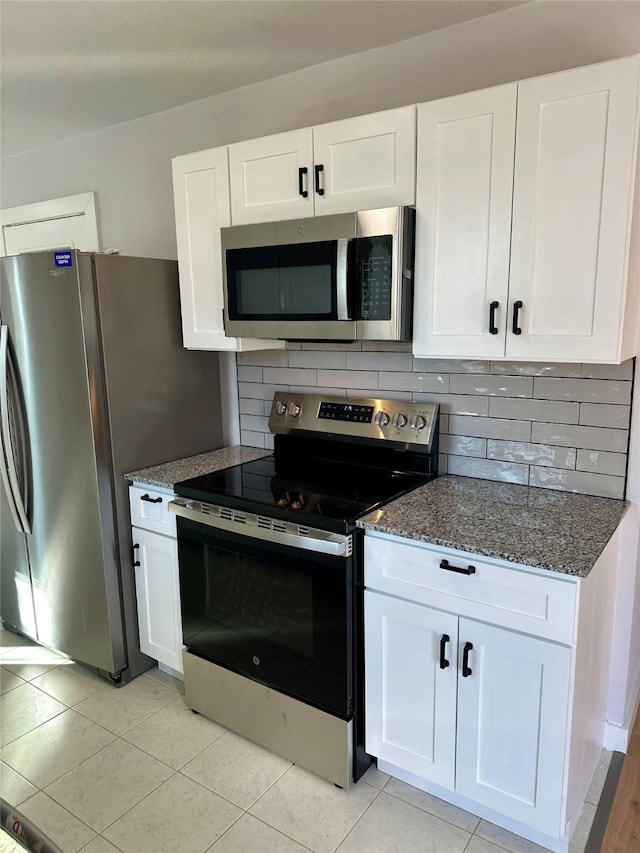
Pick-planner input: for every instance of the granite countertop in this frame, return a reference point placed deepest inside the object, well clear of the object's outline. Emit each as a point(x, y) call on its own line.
point(170, 473)
point(546, 529)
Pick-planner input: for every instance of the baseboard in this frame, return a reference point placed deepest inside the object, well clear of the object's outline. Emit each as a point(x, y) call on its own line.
point(616, 737)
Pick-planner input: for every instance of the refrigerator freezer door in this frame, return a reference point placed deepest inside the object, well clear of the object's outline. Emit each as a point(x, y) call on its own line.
point(62, 390)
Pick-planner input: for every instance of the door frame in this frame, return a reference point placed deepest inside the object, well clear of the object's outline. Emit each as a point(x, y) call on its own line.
point(82, 204)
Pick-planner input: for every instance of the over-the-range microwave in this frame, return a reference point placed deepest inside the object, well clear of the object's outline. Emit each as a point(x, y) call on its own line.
point(331, 278)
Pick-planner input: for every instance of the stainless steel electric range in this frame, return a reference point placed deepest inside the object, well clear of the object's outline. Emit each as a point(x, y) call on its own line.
point(271, 574)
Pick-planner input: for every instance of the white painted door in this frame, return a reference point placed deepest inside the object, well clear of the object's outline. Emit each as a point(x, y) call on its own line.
point(201, 199)
point(410, 702)
point(272, 178)
point(512, 724)
point(463, 223)
point(365, 162)
point(575, 155)
point(158, 597)
point(58, 223)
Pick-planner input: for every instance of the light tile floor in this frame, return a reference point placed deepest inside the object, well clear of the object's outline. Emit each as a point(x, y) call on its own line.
point(101, 769)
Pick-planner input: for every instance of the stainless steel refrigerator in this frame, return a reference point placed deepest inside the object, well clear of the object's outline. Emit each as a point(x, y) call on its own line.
point(94, 382)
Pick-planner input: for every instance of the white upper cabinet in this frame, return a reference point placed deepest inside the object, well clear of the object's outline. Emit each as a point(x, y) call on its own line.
point(463, 223)
point(201, 198)
point(356, 164)
point(573, 191)
point(571, 164)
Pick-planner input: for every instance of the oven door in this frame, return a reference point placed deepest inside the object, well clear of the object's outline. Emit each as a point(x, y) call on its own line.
point(275, 613)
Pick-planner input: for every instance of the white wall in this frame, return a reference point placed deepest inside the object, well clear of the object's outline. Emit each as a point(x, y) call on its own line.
point(129, 165)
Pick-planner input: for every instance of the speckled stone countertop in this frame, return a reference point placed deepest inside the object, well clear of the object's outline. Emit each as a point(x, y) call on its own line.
point(170, 473)
point(551, 530)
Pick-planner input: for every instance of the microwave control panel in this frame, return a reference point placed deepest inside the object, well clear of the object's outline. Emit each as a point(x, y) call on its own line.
point(375, 267)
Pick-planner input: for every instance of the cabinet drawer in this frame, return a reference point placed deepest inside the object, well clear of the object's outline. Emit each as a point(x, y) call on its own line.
point(150, 510)
point(510, 597)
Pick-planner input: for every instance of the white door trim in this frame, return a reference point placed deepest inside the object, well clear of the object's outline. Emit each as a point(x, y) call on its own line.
point(83, 204)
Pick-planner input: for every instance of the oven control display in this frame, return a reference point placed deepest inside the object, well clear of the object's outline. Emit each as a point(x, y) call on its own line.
point(346, 412)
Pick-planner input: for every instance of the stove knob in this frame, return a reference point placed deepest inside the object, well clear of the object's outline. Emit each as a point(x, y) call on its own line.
point(294, 410)
point(382, 419)
point(418, 422)
point(280, 408)
point(400, 420)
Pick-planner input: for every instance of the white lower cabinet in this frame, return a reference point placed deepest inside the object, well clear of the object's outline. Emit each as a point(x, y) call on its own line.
point(471, 707)
point(155, 562)
point(486, 682)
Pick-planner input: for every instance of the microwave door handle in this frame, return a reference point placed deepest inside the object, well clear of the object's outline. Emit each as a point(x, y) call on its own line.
point(343, 275)
point(8, 468)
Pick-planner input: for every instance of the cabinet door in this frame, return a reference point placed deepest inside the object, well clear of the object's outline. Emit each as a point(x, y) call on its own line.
point(201, 198)
point(575, 155)
point(512, 724)
point(158, 597)
point(365, 162)
point(410, 702)
point(267, 183)
point(463, 223)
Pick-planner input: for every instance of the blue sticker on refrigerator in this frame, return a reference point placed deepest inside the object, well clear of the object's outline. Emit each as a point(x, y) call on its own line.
point(63, 259)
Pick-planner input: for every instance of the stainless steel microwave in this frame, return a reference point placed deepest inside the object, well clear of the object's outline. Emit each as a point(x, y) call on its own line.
point(331, 278)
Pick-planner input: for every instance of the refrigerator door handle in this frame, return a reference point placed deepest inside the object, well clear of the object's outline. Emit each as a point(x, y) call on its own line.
point(8, 467)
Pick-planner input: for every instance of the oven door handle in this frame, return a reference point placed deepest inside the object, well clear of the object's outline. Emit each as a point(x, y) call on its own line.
point(260, 527)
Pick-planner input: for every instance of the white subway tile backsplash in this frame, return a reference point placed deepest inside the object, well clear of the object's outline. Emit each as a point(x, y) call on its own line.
point(550, 411)
point(534, 368)
point(386, 346)
point(249, 374)
point(582, 482)
point(252, 439)
point(603, 414)
point(608, 371)
point(488, 469)
point(602, 462)
point(250, 406)
point(348, 379)
point(423, 382)
point(583, 390)
point(384, 395)
point(264, 358)
point(531, 454)
point(346, 346)
point(291, 375)
point(492, 386)
point(463, 445)
point(449, 365)
point(589, 438)
point(307, 358)
point(490, 428)
point(379, 361)
point(456, 404)
point(258, 390)
point(254, 423)
point(558, 426)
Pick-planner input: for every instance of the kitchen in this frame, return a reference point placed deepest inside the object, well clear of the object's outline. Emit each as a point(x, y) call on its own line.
point(360, 368)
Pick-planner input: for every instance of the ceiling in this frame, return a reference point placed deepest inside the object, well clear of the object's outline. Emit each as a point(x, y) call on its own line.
point(69, 67)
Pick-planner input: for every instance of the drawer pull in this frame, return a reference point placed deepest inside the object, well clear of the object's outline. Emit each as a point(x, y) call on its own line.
point(135, 562)
point(445, 564)
point(444, 639)
point(466, 669)
point(151, 500)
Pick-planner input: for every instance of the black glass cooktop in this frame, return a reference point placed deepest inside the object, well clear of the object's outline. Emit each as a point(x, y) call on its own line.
point(328, 495)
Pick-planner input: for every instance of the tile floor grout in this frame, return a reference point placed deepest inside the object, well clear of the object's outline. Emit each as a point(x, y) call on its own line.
point(356, 828)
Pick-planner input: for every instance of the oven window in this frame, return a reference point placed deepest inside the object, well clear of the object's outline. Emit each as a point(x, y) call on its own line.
point(292, 282)
point(277, 615)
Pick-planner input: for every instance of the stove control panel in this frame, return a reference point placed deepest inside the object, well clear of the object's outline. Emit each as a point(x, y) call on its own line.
point(386, 420)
